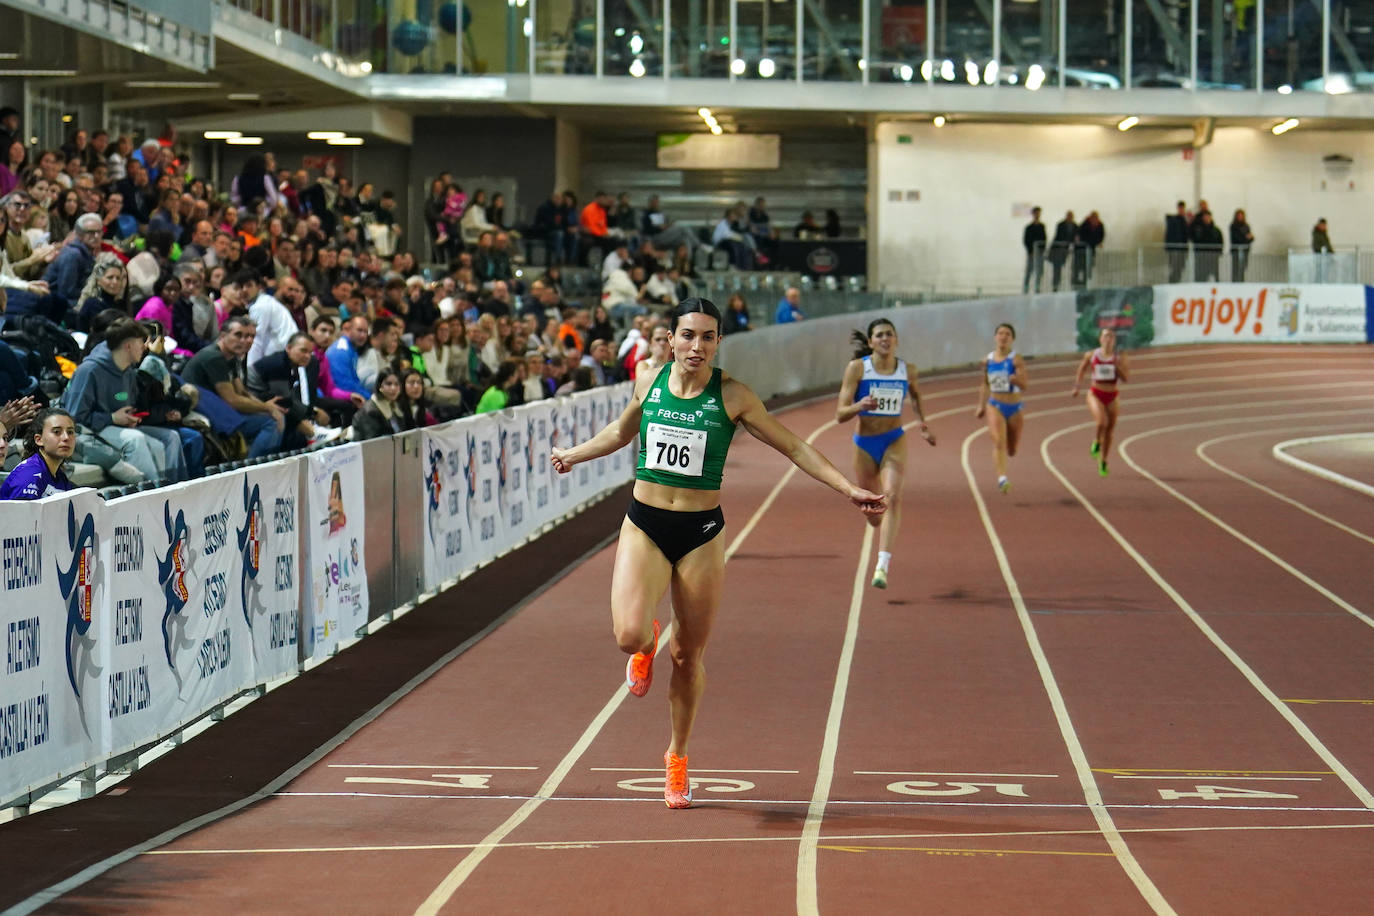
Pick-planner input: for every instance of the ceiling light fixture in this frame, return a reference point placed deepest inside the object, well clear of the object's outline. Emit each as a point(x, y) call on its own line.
point(939, 121)
point(244, 96)
point(222, 134)
point(1126, 124)
point(244, 141)
point(325, 134)
point(28, 72)
point(1284, 126)
point(345, 141)
point(172, 84)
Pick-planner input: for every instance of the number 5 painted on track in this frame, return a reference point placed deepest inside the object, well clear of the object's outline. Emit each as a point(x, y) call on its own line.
point(1013, 789)
point(1212, 793)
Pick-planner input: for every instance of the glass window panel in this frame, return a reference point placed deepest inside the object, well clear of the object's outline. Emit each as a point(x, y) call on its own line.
point(1225, 49)
point(1093, 55)
point(766, 33)
point(1160, 53)
point(832, 40)
point(565, 36)
point(1352, 46)
point(700, 38)
point(1030, 44)
point(896, 41)
point(494, 40)
point(1292, 44)
point(963, 40)
point(633, 38)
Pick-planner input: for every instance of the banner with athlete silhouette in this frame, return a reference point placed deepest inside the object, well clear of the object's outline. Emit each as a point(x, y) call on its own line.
point(336, 533)
point(268, 590)
point(53, 592)
point(449, 469)
point(175, 642)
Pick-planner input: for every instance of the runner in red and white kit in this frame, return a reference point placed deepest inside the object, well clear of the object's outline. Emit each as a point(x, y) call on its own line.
point(1108, 368)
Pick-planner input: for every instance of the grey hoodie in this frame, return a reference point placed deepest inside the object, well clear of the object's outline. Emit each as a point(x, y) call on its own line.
point(98, 388)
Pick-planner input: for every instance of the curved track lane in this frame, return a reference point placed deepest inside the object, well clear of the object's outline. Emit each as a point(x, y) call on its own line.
point(1141, 694)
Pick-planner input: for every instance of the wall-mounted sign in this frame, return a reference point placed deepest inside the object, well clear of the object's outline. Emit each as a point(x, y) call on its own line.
point(727, 151)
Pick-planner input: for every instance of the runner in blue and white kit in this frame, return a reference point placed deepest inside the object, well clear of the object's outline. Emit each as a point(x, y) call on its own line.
point(876, 385)
point(1004, 378)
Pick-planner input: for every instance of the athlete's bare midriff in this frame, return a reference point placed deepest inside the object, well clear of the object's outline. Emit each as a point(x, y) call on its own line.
point(675, 499)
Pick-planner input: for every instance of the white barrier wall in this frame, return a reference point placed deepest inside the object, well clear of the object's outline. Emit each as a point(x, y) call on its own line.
point(125, 620)
point(785, 359)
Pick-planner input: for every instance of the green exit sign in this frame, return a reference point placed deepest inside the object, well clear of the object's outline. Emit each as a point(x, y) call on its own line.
point(904, 138)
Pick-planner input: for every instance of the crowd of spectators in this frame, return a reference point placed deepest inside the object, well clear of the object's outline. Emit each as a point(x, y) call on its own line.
point(178, 325)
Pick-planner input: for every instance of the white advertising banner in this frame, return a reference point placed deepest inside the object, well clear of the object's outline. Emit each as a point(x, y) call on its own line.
point(50, 721)
point(540, 440)
point(335, 530)
point(1259, 312)
point(449, 456)
point(583, 406)
point(268, 594)
point(174, 643)
point(513, 474)
point(488, 525)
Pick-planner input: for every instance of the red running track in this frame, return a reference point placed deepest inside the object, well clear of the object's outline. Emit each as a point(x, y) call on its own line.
point(1142, 694)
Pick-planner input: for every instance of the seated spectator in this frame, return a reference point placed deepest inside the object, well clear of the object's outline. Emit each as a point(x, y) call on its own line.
point(421, 352)
point(102, 397)
point(618, 258)
point(620, 297)
point(219, 372)
point(340, 403)
point(833, 229)
point(656, 227)
point(576, 320)
point(548, 225)
point(601, 326)
point(380, 416)
point(660, 352)
point(535, 387)
point(167, 401)
point(658, 289)
point(789, 307)
point(194, 321)
point(15, 415)
point(736, 318)
point(414, 403)
point(106, 288)
point(274, 321)
point(579, 379)
point(48, 445)
point(474, 221)
point(597, 358)
point(292, 378)
point(808, 229)
point(454, 364)
point(593, 224)
point(729, 239)
point(383, 347)
point(158, 306)
point(498, 303)
point(507, 387)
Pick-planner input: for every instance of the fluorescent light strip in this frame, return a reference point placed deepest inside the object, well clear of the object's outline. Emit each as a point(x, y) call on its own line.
point(1127, 123)
point(325, 134)
point(222, 134)
point(26, 72)
point(1285, 126)
point(345, 141)
point(244, 141)
point(171, 84)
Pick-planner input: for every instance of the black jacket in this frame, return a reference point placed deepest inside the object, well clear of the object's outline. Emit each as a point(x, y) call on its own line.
point(1035, 232)
point(276, 376)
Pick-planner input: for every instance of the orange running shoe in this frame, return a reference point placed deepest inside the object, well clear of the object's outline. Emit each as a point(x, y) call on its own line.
point(677, 788)
point(639, 670)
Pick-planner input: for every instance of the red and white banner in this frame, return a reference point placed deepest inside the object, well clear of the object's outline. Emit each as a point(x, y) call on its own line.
point(1259, 312)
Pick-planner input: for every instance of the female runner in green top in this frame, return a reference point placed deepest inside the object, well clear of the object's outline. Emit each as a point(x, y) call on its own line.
point(685, 415)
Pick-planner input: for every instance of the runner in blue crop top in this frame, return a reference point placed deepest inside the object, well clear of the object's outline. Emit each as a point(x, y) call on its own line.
point(1004, 378)
point(876, 384)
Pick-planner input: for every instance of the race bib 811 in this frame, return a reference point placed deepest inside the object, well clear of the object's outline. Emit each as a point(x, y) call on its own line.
point(999, 382)
point(889, 400)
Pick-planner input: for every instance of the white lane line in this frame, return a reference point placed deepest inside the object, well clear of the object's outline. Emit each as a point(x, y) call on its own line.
point(833, 803)
point(695, 771)
point(469, 863)
point(1254, 545)
point(1201, 452)
point(808, 900)
point(1282, 708)
point(1091, 792)
point(417, 766)
point(1281, 453)
point(1231, 778)
point(692, 841)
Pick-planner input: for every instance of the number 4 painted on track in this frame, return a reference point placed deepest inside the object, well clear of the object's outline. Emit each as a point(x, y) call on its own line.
point(1212, 793)
point(1013, 789)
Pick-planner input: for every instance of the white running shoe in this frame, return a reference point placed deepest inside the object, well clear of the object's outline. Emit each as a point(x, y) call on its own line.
point(1003, 484)
point(324, 434)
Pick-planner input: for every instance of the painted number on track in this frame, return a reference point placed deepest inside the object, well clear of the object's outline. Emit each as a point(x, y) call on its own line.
point(1214, 793)
point(919, 787)
point(705, 783)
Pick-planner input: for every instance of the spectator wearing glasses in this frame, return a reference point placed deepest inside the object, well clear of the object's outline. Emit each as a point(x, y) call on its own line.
point(67, 274)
